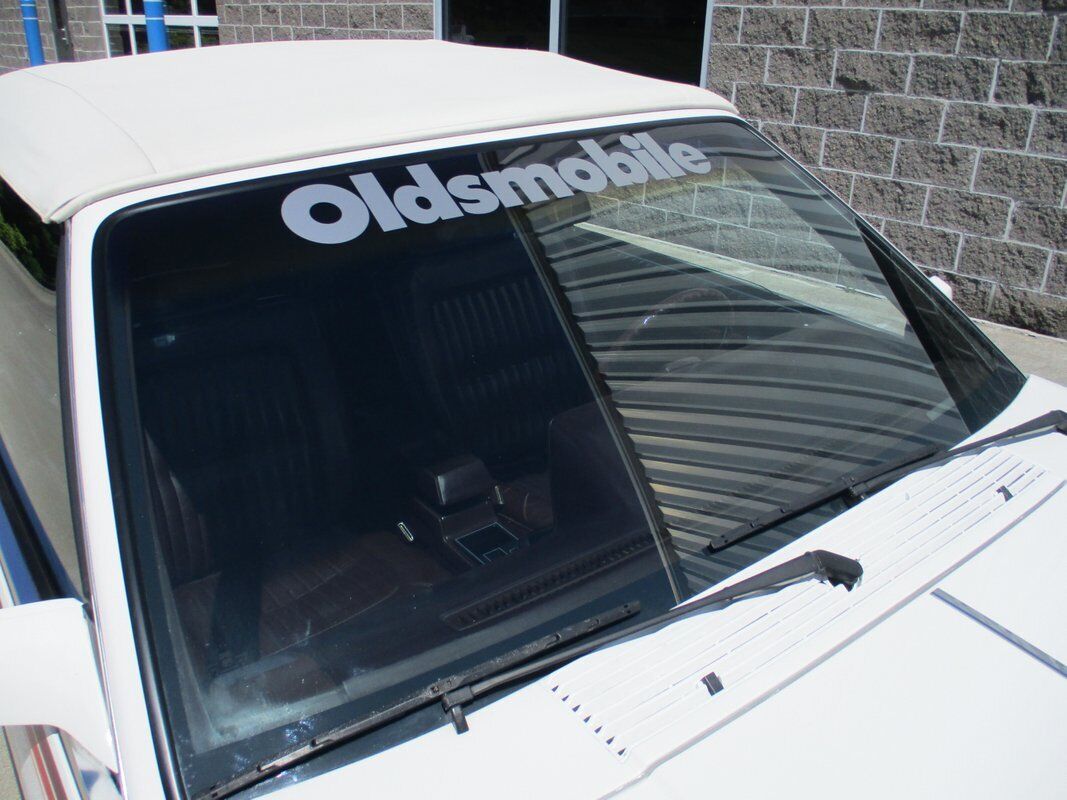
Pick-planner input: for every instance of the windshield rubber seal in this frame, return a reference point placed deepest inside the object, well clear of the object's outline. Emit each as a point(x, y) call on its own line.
point(105, 281)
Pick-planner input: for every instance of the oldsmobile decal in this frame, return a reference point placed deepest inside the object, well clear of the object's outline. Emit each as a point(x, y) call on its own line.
point(430, 200)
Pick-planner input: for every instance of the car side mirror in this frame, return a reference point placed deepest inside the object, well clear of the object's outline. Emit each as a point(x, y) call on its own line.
point(49, 674)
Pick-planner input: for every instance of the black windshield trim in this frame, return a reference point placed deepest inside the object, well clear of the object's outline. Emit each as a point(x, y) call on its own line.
point(107, 284)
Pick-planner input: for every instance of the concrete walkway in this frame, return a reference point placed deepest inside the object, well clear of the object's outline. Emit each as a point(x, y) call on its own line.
point(1033, 353)
point(9, 787)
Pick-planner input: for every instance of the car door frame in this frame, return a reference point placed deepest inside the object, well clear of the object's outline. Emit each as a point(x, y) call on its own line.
point(44, 759)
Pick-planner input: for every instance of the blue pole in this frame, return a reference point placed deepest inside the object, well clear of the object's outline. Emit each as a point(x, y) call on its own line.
point(33, 31)
point(157, 31)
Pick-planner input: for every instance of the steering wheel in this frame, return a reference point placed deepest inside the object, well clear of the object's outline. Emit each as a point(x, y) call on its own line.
point(710, 334)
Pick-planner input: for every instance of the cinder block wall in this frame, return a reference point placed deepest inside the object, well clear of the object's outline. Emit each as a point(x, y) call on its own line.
point(85, 29)
point(83, 26)
point(13, 51)
point(256, 21)
point(940, 120)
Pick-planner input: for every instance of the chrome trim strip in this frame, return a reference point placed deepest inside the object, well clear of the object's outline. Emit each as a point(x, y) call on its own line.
point(1001, 631)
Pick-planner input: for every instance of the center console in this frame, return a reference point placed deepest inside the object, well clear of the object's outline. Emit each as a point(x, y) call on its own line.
point(452, 505)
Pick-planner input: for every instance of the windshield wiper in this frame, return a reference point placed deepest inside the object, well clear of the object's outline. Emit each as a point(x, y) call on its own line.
point(524, 662)
point(820, 564)
point(424, 697)
point(855, 487)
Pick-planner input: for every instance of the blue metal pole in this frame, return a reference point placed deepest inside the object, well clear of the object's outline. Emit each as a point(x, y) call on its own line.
point(33, 31)
point(157, 30)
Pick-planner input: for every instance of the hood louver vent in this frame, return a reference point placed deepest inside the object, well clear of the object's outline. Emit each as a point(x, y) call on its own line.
point(597, 728)
point(643, 691)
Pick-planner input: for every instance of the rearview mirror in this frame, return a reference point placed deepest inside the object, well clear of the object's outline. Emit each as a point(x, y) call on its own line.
point(49, 676)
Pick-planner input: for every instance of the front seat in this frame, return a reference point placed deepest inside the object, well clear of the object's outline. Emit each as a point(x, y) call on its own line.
point(493, 363)
point(250, 473)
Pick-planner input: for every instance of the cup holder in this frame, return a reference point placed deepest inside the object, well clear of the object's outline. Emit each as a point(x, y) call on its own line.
point(488, 543)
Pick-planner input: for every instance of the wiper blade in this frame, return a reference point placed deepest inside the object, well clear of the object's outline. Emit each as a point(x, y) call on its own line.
point(856, 487)
point(420, 699)
point(527, 661)
point(818, 564)
point(523, 662)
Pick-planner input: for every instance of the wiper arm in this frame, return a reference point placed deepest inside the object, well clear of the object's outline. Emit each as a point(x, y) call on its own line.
point(420, 699)
point(523, 662)
point(856, 487)
point(818, 564)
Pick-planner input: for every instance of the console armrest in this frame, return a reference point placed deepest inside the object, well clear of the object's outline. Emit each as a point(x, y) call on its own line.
point(453, 481)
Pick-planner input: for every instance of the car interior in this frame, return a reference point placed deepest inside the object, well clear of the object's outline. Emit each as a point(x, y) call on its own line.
point(359, 457)
point(342, 453)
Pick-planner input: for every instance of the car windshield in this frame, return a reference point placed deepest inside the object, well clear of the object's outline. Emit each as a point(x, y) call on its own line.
point(376, 423)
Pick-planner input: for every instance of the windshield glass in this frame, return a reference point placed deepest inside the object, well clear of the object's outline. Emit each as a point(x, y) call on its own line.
point(377, 423)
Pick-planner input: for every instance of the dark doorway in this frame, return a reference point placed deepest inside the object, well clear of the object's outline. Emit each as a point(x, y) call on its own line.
point(500, 23)
point(648, 37)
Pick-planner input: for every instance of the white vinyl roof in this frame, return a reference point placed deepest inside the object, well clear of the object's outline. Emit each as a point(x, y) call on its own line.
point(74, 133)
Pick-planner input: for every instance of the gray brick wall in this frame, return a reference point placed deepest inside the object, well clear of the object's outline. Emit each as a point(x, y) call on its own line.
point(942, 121)
point(83, 26)
point(255, 21)
point(85, 29)
point(13, 52)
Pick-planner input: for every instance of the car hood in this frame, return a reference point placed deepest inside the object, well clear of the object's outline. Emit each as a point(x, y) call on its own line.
point(942, 673)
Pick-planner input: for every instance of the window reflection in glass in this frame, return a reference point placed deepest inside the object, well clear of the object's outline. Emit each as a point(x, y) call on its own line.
point(503, 23)
point(140, 38)
point(648, 37)
point(180, 38)
point(118, 40)
point(34, 243)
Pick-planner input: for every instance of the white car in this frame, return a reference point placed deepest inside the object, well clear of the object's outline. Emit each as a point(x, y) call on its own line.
point(410, 419)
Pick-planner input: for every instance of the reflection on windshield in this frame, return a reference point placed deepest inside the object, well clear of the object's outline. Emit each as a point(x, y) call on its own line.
point(750, 342)
point(396, 421)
